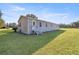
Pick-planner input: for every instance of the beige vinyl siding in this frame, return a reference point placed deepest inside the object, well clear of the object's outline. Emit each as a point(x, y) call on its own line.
point(30, 24)
point(40, 25)
point(24, 25)
point(46, 26)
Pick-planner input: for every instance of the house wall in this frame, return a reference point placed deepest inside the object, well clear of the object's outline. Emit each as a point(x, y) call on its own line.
point(49, 27)
point(27, 24)
point(30, 24)
point(43, 28)
point(23, 28)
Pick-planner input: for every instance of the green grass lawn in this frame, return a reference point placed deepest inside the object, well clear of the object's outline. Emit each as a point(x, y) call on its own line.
point(63, 41)
point(65, 44)
point(12, 43)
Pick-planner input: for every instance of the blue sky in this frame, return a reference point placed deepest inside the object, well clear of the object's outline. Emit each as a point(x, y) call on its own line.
point(53, 12)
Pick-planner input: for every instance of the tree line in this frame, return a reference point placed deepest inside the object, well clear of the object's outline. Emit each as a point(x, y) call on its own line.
point(71, 25)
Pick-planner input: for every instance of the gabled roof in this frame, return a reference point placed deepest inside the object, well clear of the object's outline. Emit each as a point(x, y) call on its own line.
point(20, 17)
point(33, 16)
point(28, 15)
point(46, 21)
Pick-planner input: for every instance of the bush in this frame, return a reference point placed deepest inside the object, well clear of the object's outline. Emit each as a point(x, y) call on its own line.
point(14, 29)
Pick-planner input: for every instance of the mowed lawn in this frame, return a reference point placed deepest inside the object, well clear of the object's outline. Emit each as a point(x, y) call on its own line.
point(63, 41)
point(65, 44)
point(12, 43)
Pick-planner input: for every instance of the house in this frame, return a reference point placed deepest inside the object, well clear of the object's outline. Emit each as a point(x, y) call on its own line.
point(29, 23)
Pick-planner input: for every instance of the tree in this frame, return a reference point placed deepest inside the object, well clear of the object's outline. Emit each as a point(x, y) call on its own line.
point(2, 22)
point(75, 24)
point(0, 14)
point(65, 25)
point(13, 26)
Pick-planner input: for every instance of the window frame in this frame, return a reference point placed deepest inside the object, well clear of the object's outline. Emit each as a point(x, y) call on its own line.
point(40, 24)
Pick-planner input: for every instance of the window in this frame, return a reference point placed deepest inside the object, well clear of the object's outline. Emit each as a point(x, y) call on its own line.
point(40, 24)
point(46, 24)
point(33, 23)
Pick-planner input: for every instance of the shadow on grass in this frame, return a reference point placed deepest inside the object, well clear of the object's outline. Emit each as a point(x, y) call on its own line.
point(18, 44)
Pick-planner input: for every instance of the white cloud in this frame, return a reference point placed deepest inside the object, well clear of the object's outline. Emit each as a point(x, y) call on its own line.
point(12, 13)
point(4, 11)
point(17, 8)
point(54, 17)
point(15, 11)
point(13, 7)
